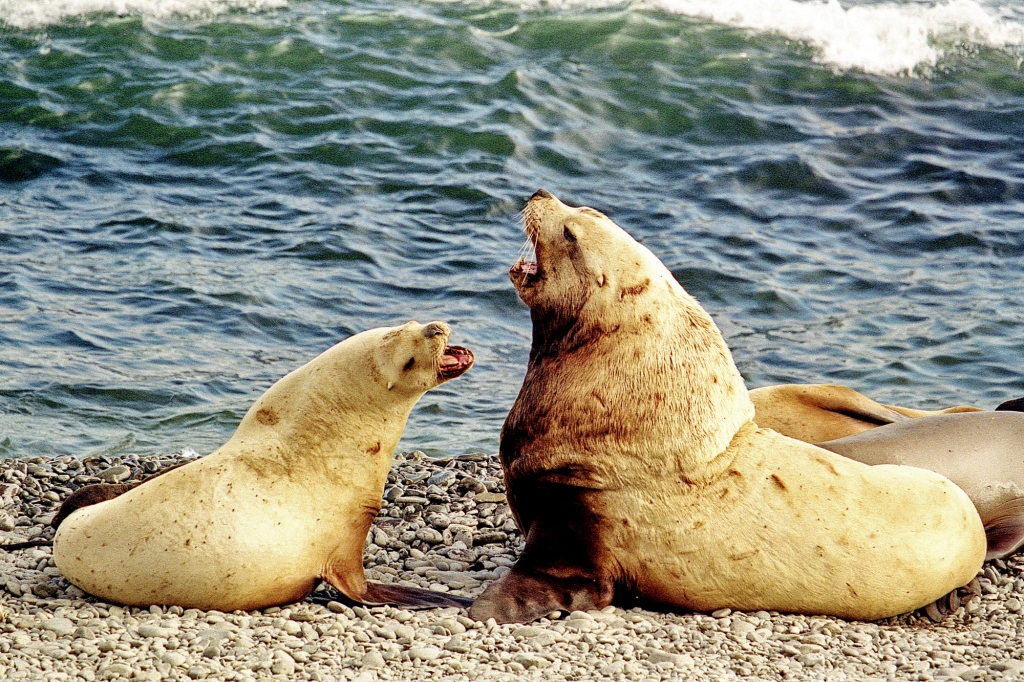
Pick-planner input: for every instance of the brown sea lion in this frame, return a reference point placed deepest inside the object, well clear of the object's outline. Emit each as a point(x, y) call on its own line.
point(634, 469)
point(285, 503)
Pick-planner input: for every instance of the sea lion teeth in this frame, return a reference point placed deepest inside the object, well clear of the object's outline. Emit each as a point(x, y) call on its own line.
point(285, 503)
point(634, 469)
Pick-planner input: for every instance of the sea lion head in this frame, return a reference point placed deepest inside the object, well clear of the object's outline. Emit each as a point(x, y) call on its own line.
point(362, 388)
point(585, 263)
point(414, 358)
point(625, 364)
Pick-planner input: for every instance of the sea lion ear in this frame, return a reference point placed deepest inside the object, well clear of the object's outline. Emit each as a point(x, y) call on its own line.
point(1004, 531)
point(600, 280)
point(391, 384)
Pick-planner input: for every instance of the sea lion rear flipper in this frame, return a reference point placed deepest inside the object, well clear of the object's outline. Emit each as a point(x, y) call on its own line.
point(88, 496)
point(523, 597)
point(1015, 405)
point(1004, 529)
point(412, 597)
point(378, 594)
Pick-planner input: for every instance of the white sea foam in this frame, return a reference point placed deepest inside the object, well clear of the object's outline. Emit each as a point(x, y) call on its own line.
point(887, 38)
point(39, 13)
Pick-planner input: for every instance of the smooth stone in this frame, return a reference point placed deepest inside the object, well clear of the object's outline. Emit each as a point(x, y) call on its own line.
point(656, 656)
point(424, 653)
point(373, 660)
point(284, 664)
point(741, 627)
point(174, 658)
point(1009, 665)
point(61, 626)
point(530, 661)
point(457, 644)
point(114, 474)
point(150, 630)
point(429, 535)
point(494, 498)
point(442, 478)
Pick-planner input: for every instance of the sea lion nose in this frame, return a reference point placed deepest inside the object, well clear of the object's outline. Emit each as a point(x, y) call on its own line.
point(435, 329)
point(543, 194)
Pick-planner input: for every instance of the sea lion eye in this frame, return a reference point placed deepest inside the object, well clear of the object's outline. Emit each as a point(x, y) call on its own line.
point(567, 233)
point(408, 365)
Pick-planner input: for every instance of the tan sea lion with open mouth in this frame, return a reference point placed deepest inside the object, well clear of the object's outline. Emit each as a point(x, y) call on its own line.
point(634, 469)
point(285, 503)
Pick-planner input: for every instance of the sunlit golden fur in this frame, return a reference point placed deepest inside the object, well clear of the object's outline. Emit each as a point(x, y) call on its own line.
point(637, 363)
point(286, 501)
point(633, 464)
point(815, 413)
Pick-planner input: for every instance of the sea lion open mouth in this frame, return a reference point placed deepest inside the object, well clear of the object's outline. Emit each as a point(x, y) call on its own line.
point(526, 270)
point(454, 362)
point(523, 272)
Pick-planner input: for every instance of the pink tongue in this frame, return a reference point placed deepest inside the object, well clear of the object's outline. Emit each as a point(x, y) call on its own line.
point(449, 361)
point(530, 268)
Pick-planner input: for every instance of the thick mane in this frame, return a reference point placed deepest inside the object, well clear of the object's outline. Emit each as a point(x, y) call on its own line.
point(641, 381)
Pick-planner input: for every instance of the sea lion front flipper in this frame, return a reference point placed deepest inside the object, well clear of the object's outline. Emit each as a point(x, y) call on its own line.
point(88, 496)
point(520, 597)
point(345, 573)
point(1004, 529)
point(1015, 405)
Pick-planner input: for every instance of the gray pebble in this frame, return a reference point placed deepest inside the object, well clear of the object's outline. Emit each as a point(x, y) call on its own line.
point(114, 474)
point(424, 653)
point(61, 626)
point(373, 660)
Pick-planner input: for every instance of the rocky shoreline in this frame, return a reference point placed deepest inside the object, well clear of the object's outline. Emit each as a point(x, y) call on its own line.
point(445, 525)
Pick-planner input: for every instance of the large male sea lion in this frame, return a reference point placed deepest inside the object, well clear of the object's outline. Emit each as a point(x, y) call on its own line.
point(981, 452)
point(286, 502)
point(634, 469)
point(818, 412)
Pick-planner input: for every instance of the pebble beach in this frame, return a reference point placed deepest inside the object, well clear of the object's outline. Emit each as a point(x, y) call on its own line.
point(445, 526)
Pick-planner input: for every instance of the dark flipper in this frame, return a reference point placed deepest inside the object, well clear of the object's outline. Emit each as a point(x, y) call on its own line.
point(100, 492)
point(1004, 529)
point(565, 565)
point(1016, 405)
point(378, 594)
point(88, 496)
point(520, 597)
point(28, 544)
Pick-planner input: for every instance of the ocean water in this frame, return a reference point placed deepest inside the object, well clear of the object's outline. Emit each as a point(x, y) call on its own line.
point(198, 196)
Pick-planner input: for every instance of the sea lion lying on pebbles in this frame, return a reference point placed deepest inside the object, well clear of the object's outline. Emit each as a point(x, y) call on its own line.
point(981, 452)
point(285, 503)
point(634, 469)
point(818, 412)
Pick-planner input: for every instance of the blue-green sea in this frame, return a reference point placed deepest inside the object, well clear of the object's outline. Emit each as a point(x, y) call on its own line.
point(198, 196)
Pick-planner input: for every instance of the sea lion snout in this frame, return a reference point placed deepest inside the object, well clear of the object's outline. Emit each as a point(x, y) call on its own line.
point(436, 329)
